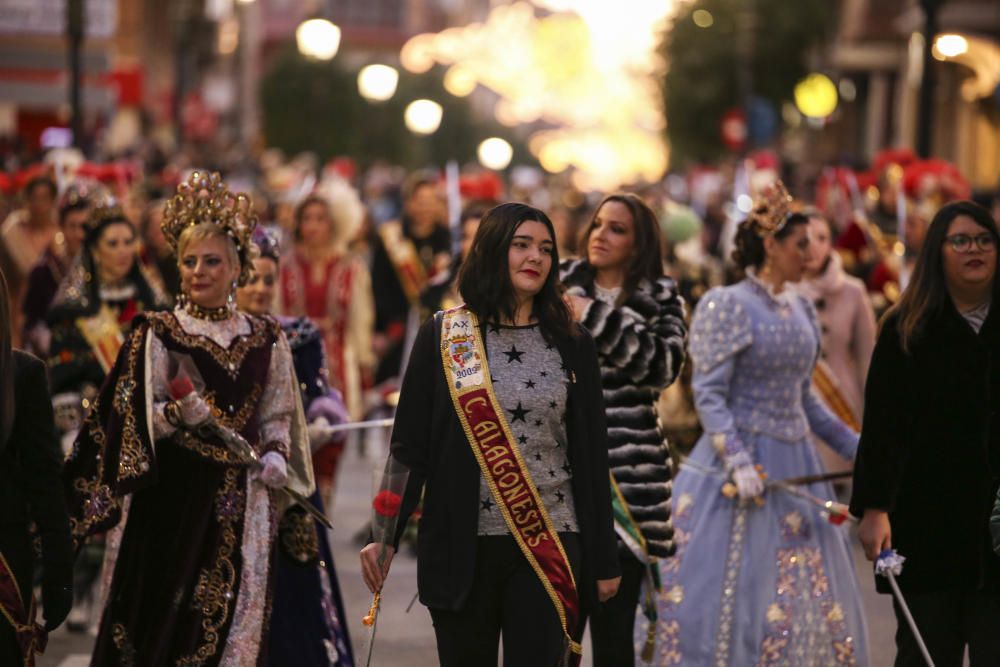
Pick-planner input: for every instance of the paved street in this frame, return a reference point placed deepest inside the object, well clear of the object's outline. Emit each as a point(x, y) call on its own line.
point(408, 638)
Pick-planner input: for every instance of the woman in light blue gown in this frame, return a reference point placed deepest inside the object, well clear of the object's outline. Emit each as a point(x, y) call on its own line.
point(761, 576)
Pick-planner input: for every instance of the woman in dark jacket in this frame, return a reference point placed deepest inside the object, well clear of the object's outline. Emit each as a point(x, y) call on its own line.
point(502, 424)
point(619, 294)
point(928, 464)
point(30, 491)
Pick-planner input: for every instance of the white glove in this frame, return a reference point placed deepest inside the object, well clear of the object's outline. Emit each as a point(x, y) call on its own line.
point(319, 434)
point(194, 409)
point(275, 470)
point(748, 481)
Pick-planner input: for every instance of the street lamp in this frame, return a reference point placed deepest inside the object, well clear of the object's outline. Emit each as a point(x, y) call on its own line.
point(815, 96)
point(377, 83)
point(495, 153)
point(318, 38)
point(949, 46)
point(423, 116)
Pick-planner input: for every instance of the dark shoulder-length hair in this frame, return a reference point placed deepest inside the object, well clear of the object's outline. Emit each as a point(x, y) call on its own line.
point(79, 294)
point(6, 365)
point(484, 278)
point(647, 254)
point(927, 292)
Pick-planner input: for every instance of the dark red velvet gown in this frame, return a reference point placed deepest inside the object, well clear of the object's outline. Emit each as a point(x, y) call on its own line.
point(177, 577)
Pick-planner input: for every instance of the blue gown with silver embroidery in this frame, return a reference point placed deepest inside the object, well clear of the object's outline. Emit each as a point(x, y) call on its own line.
point(757, 585)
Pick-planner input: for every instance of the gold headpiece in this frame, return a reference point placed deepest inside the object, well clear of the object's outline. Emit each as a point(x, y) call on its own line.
point(205, 198)
point(101, 215)
point(771, 209)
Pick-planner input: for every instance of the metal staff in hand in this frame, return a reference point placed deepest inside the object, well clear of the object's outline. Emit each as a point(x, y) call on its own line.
point(196, 416)
point(890, 566)
point(377, 556)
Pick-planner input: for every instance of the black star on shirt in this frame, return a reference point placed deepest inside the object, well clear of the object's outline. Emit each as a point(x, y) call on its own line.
point(493, 328)
point(528, 384)
point(560, 496)
point(567, 468)
point(548, 346)
point(538, 422)
point(544, 374)
point(518, 413)
point(538, 456)
point(552, 472)
point(523, 439)
point(566, 526)
point(513, 355)
point(552, 404)
point(487, 505)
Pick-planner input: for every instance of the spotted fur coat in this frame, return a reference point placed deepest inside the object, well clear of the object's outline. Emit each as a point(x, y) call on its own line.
point(640, 345)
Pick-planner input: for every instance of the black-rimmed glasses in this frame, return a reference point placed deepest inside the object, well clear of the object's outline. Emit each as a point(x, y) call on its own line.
point(963, 242)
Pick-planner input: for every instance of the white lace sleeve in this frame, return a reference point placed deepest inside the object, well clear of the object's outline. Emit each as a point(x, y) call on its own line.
point(277, 401)
point(159, 363)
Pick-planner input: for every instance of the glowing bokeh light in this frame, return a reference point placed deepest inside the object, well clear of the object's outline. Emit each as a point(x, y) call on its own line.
point(584, 67)
point(848, 90)
point(495, 153)
point(816, 96)
point(377, 82)
point(423, 116)
point(702, 18)
point(949, 46)
point(459, 82)
point(415, 55)
point(318, 38)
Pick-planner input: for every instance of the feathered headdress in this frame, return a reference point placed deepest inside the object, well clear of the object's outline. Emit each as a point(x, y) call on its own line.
point(204, 198)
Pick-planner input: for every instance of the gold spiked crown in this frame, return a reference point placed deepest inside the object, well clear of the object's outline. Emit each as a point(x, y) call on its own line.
point(771, 209)
point(204, 198)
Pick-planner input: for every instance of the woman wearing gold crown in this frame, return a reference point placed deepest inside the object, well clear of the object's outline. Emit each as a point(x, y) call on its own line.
point(165, 446)
point(762, 575)
point(89, 318)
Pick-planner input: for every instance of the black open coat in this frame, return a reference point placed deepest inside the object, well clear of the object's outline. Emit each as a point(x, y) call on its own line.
point(31, 492)
point(428, 438)
point(930, 450)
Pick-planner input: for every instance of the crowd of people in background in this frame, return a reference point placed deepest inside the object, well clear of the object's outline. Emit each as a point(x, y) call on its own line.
point(733, 329)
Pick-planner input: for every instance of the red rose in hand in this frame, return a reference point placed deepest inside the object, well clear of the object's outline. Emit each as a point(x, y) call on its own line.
point(836, 519)
point(387, 503)
point(180, 387)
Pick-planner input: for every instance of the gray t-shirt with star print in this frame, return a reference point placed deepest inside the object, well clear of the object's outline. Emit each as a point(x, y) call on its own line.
point(530, 382)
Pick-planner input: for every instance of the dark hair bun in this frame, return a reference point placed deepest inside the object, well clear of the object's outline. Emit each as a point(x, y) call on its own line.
point(749, 246)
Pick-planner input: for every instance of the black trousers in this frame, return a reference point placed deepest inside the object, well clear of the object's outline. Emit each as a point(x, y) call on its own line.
point(611, 626)
point(949, 621)
point(506, 599)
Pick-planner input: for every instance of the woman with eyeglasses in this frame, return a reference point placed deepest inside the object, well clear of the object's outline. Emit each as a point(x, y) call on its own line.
point(928, 464)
